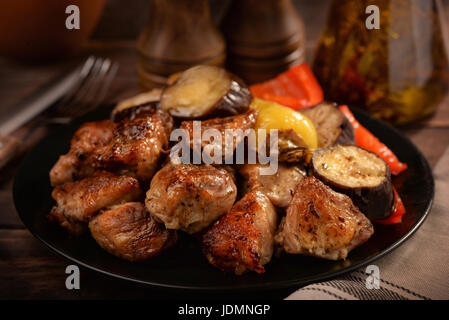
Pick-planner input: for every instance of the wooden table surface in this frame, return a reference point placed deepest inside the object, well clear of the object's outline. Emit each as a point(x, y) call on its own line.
point(28, 270)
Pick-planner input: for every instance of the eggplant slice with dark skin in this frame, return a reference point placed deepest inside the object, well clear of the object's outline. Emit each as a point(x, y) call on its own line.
point(204, 92)
point(137, 106)
point(331, 124)
point(360, 174)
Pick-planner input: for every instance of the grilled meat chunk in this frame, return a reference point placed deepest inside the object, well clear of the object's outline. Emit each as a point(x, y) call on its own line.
point(189, 197)
point(279, 187)
point(235, 125)
point(73, 165)
point(74, 227)
point(130, 147)
point(322, 223)
point(136, 146)
point(129, 232)
point(243, 238)
point(77, 202)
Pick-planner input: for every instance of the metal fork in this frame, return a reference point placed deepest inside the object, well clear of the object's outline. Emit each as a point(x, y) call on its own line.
point(86, 94)
point(95, 79)
point(96, 76)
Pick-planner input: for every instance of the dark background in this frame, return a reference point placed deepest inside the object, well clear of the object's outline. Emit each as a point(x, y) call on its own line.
point(122, 19)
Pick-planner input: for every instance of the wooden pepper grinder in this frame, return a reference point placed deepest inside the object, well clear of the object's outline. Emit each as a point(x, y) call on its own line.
point(178, 35)
point(263, 37)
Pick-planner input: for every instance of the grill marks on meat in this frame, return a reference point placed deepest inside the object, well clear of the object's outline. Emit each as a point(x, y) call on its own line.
point(243, 239)
point(74, 164)
point(77, 202)
point(129, 232)
point(278, 187)
point(131, 147)
point(237, 125)
point(136, 147)
point(189, 197)
point(322, 223)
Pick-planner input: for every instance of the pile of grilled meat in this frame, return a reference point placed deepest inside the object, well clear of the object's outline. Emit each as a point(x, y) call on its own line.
point(311, 207)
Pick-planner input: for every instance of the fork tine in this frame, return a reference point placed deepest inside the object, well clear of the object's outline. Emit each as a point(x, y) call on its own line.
point(93, 90)
point(86, 100)
point(97, 99)
point(71, 108)
point(96, 77)
point(87, 66)
point(84, 73)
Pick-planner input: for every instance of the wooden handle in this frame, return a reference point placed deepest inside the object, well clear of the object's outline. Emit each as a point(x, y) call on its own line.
point(9, 148)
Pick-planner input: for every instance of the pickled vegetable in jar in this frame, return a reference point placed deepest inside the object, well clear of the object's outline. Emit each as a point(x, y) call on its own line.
point(398, 72)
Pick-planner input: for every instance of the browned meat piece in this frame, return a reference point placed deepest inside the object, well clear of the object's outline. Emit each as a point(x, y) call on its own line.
point(189, 197)
point(236, 125)
point(136, 146)
point(75, 228)
point(278, 187)
point(243, 238)
point(130, 147)
point(229, 169)
point(88, 137)
point(92, 135)
point(128, 231)
point(322, 223)
point(77, 202)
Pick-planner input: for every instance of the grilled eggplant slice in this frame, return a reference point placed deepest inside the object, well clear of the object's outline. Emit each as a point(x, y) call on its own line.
point(205, 92)
point(136, 106)
point(331, 124)
point(360, 174)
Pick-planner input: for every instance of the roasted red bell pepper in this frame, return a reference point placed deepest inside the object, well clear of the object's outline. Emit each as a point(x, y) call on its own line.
point(398, 211)
point(296, 88)
point(366, 140)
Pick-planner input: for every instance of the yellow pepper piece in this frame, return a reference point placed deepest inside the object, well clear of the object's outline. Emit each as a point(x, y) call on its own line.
point(274, 116)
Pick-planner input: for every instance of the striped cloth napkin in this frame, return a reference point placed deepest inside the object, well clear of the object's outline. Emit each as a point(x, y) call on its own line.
point(419, 269)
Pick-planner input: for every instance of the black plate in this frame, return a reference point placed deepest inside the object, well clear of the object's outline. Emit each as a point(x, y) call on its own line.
point(184, 266)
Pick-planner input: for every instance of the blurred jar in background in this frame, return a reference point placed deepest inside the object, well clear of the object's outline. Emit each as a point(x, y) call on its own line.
point(263, 37)
point(178, 35)
point(36, 30)
point(399, 72)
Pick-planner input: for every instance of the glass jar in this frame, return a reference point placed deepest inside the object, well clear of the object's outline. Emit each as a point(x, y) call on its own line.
point(399, 72)
point(178, 35)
